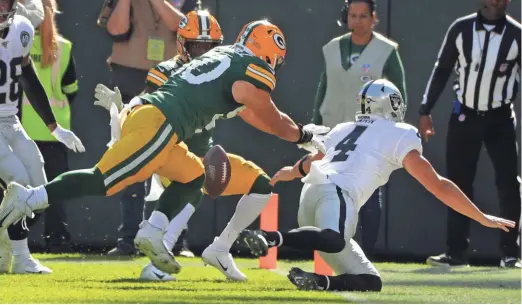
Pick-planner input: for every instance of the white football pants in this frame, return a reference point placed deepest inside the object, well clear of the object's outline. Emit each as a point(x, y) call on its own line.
point(20, 159)
point(326, 206)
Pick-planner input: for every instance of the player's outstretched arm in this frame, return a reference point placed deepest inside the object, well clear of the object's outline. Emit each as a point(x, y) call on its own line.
point(36, 93)
point(448, 192)
point(38, 98)
point(299, 170)
point(264, 115)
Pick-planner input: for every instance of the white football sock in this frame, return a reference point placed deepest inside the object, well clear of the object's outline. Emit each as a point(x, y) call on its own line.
point(159, 220)
point(247, 210)
point(21, 248)
point(39, 200)
point(176, 226)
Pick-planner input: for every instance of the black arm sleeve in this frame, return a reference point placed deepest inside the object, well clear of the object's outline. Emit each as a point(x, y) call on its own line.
point(445, 63)
point(69, 79)
point(36, 94)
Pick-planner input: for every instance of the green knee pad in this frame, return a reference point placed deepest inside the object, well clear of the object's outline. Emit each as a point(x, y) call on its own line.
point(261, 185)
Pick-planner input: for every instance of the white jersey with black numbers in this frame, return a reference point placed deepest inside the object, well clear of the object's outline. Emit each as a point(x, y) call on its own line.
point(13, 48)
point(360, 156)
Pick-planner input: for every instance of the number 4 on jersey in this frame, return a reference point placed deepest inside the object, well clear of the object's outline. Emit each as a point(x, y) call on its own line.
point(348, 143)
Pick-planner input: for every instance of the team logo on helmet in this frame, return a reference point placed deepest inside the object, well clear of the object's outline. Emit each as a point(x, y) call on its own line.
point(395, 101)
point(24, 38)
point(183, 22)
point(280, 42)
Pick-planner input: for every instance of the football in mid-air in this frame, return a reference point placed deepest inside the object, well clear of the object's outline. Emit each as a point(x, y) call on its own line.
point(217, 171)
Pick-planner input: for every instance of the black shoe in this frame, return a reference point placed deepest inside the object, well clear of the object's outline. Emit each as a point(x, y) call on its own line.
point(123, 249)
point(304, 280)
point(255, 241)
point(445, 260)
point(510, 263)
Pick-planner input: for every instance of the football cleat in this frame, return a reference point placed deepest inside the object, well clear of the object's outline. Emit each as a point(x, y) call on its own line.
point(29, 265)
point(151, 273)
point(149, 241)
point(223, 261)
point(15, 205)
point(254, 241)
point(304, 280)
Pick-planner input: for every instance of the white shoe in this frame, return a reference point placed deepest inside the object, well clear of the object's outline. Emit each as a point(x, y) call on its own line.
point(29, 265)
point(14, 207)
point(149, 241)
point(151, 273)
point(5, 252)
point(223, 261)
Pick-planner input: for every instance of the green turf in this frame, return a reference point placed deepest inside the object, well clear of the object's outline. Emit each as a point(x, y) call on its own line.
point(94, 279)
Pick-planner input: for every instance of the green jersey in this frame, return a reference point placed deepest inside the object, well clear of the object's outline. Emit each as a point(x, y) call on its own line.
point(200, 92)
point(157, 77)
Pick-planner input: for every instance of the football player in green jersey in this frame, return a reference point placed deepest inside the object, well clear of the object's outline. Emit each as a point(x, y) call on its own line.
point(218, 84)
point(247, 178)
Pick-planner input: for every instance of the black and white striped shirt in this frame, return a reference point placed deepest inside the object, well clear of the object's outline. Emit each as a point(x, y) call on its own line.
point(486, 59)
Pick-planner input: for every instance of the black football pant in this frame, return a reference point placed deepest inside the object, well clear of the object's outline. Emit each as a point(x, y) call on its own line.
point(467, 131)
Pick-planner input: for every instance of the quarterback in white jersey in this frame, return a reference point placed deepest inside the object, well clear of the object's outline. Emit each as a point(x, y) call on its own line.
point(20, 159)
point(357, 158)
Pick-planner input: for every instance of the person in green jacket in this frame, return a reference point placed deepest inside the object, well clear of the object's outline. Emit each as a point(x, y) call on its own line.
point(351, 60)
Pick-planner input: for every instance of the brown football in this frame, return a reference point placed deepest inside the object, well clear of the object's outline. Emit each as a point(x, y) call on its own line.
point(217, 171)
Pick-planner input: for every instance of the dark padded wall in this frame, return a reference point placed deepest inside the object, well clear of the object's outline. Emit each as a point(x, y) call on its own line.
point(416, 221)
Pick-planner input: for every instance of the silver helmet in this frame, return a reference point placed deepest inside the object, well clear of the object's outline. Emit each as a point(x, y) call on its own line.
point(7, 13)
point(382, 98)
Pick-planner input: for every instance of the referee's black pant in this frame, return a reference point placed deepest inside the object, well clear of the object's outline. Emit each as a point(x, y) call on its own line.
point(467, 130)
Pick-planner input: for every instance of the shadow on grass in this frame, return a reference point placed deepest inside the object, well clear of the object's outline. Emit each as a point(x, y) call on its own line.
point(211, 298)
point(443, 270)
point(88, 258)
point(475, 283)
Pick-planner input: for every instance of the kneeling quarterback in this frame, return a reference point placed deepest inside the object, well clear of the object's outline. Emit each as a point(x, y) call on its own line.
point(360, 156)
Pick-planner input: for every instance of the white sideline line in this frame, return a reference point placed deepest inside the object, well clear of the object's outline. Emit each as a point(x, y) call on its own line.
point(347, 296)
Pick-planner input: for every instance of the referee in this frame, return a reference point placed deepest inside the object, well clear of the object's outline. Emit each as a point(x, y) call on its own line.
point(484, 50)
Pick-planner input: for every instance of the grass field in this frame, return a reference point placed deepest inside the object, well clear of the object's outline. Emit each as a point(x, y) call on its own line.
point(94, 279)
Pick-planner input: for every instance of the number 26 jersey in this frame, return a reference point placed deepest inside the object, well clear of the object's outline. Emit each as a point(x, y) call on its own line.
point(360, 156)
point(13, 48)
